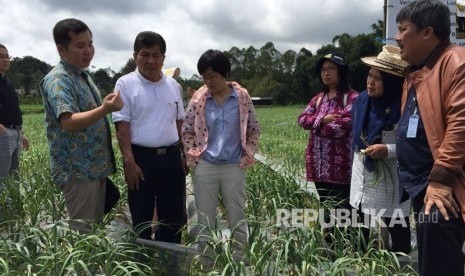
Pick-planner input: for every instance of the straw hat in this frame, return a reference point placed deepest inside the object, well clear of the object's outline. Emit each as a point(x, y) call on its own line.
point(388, 61)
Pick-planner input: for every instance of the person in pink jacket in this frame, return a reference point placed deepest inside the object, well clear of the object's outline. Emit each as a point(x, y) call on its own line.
point(220, 135)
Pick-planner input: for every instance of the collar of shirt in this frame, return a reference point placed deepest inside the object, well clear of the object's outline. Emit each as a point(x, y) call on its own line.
point(72, 69)
point(233, 93)
point(143, 79)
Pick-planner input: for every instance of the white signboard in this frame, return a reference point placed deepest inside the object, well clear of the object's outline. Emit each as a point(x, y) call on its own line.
point(457, 18)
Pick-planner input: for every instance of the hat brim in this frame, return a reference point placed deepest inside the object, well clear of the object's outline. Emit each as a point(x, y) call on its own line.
point(371, 62)
point(320, 62)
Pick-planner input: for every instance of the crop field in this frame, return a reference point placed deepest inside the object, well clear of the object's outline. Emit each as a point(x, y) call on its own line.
point(35, 239)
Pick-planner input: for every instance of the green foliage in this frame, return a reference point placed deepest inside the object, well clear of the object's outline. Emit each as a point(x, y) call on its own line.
point(103, 78)
point(194, 82)
point(34, 236)
point(35, 240)
point(32, 108)
point(280, 134)
point(300, 251)
point(128, 67)
point(25, 73)
point(354, 48)
point(378, 29)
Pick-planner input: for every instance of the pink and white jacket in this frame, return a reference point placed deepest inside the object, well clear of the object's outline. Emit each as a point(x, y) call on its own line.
point(195, 133)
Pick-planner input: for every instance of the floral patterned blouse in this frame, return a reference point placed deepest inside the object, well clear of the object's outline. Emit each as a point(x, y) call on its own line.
point(329, 152)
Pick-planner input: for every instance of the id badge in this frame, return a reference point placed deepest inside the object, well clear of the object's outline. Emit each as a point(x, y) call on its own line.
point(412, 126)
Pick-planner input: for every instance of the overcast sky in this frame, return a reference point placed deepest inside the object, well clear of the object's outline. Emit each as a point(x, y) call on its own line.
point(189, 27)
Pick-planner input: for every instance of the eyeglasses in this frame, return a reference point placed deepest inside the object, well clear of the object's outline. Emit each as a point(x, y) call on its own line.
point(5, 56)
point(328, 69)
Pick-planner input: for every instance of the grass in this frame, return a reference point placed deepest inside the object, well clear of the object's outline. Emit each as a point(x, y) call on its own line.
point(281, 138)
point(32, 109)
point(35, 240)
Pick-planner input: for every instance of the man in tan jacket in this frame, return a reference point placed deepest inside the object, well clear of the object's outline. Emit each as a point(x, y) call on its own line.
point(431, 135)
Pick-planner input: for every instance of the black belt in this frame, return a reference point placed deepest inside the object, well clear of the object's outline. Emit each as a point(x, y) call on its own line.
point(15, 127)
point(161, 150)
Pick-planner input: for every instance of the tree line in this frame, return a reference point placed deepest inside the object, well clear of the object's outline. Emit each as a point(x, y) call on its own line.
point(288, 77)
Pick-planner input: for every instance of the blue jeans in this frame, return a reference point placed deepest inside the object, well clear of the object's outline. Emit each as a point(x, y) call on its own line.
point(10, 150)
point(165, 180)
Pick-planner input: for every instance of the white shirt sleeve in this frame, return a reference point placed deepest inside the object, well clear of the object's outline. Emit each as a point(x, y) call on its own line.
point(181, 114)
point(125, 113)
point(391, 148)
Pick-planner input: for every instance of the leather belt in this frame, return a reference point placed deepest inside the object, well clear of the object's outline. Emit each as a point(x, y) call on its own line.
point(161, 150)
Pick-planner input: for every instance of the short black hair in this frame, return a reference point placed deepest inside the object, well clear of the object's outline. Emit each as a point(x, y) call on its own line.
point(3, 46)
point(64, 27)
point(426, 13)
point(147, 39)
point(216, 60)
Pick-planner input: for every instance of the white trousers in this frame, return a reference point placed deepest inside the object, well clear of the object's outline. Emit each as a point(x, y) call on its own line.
point(209, 181)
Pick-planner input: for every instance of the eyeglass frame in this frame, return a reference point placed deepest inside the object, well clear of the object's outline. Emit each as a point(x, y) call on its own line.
point(7, 56)
point(328, 69)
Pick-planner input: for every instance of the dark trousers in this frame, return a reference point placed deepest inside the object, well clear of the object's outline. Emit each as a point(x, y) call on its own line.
point(399, 232)
point(440, 242)
point(333, 196)
point(400, 235)
point(164, 178)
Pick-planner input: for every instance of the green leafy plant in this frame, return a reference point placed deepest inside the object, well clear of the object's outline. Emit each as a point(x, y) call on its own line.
point(381, 171)
point(35, 238)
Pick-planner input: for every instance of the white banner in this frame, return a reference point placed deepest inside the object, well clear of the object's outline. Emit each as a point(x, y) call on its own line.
point(457, 18)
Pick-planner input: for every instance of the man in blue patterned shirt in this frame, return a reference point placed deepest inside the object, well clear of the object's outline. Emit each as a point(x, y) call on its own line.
point(78, 132)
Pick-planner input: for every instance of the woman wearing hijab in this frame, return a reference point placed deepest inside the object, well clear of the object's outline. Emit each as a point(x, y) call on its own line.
point(375, 185)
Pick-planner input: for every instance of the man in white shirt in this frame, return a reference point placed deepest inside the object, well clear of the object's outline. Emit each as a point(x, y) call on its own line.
point(148, 133)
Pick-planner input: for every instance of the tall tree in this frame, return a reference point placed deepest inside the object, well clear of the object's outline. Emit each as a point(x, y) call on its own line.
point(26, 72)
point(378, 29)
point(128, 67)
point(268, 59)
point(236, 57)
point(104, 81)
point(288, 77)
